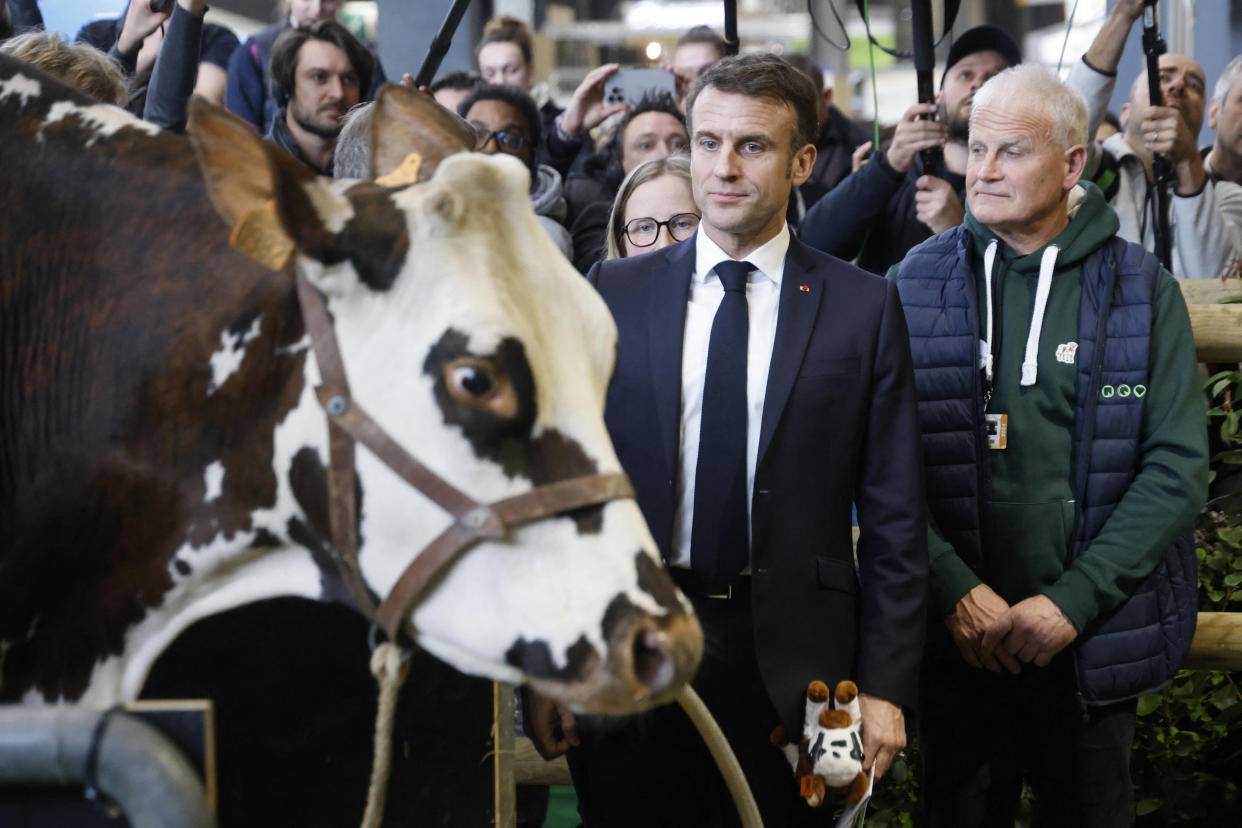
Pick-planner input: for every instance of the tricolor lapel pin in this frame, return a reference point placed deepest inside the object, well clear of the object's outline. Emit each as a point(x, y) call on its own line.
point(804, 288)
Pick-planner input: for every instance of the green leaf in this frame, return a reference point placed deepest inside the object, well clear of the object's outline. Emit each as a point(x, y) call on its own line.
point(1233, 579)
point(1224, 698)
point(1221, 385)
point(1147, 806)
point(1230, 534)
point(1229, 428)
point(1229, 300)
point(1229, 372)
point(1232, 456)
point(1148, 704)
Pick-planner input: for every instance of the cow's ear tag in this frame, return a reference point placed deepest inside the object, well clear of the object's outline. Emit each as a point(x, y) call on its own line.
point(260, 236)
point(405, 173)
point(806, 786)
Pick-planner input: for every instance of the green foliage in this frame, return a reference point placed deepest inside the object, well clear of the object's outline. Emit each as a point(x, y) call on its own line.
point(1187, 760)
point(895, 801)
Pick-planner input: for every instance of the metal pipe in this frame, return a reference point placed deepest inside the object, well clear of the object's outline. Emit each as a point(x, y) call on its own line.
point(440, 43)
point(730, 27)
point(136, 766)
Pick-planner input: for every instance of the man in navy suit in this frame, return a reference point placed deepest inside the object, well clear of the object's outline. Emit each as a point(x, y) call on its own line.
point(761, 388)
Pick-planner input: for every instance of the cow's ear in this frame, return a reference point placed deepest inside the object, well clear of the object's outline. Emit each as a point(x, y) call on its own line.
point(406, 121)
point(272, 202)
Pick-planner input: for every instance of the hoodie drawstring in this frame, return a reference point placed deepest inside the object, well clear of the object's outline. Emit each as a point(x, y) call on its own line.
point(989, 258)
point(1030, 362)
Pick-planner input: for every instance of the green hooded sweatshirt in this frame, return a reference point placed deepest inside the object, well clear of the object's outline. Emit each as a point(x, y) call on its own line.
point(1029, 519)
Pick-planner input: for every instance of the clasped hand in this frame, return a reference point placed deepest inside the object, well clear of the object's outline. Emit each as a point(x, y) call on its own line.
point(993, 635)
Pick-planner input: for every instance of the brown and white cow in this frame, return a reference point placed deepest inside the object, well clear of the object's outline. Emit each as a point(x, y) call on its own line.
point(162, 452)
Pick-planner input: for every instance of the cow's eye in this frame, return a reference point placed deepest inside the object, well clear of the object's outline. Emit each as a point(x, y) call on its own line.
point(477, 383)
point(472, 380)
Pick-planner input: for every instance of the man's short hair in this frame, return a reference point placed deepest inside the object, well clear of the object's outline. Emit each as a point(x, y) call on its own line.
point(763, 75)
point(1225, 82)
point(516, 98)
point(284, 65)
point(78, 64)
point(1045, 93)
point(982, 39)
point(650, 102)
point(507, 29)
point(702, 34)
point(460, 80)
point(809, 67)
point(352, 156)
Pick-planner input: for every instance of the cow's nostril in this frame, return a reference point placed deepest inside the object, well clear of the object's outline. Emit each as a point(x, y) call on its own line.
point(653, 666)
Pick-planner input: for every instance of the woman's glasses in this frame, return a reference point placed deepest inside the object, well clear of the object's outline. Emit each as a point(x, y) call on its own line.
point(643, 232)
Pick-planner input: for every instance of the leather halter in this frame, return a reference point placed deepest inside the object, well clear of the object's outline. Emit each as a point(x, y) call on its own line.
point(473, 521)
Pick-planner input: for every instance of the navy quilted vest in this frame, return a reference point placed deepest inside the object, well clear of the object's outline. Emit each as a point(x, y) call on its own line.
point(1136, 648)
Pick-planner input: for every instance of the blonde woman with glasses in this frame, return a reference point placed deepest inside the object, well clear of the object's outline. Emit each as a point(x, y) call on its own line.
point(653, 209)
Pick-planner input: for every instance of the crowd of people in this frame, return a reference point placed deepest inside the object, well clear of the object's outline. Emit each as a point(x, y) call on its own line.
point(1011, 418)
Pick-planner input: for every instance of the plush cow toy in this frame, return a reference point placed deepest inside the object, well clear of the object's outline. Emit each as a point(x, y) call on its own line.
point(830, 753)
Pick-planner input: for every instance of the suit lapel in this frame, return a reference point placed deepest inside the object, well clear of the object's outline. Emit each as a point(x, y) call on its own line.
point(666, 318)
point(795, 320)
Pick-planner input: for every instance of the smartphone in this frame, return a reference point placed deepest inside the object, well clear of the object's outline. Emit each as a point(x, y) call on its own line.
point(628, 86)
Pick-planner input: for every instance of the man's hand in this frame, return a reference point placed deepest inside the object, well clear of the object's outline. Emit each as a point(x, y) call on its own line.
point(1032, 631)
point(682, 85)
point(587, 109)
point(1165, 132)
point(860, 156)
point(551, 727)
point(914, 134)
point(1130, 10)
point(973, 616)
point(883, 731)
point(936, 205)
point(1104, 53)
point(140, 21)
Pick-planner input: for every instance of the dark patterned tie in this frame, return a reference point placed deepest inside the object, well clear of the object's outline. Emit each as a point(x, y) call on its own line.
point(719, 548)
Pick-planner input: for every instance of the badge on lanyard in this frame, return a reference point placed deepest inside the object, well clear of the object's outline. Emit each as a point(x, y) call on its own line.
point(998, 430)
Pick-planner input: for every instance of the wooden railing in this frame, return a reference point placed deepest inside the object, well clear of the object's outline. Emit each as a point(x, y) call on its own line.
point(1218, 338)
point(1217, 327)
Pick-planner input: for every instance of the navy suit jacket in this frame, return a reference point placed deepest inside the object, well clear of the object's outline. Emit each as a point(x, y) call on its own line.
point(839, 426)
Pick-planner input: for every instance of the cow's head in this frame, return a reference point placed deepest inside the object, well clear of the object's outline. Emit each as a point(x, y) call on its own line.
point(477, 347)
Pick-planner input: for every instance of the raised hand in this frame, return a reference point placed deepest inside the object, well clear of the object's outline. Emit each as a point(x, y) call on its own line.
point(913, 135)
point(936, 204)
point(587, 108)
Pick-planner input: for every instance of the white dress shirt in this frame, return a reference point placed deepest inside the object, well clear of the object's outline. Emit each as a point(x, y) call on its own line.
point(763, 292)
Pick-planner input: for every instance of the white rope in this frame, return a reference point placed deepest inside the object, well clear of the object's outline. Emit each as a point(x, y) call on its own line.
point(743, 799)
point(390, 667)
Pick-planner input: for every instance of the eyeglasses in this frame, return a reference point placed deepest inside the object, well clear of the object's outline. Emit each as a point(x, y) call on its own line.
point(505, 141)
point(643, 232)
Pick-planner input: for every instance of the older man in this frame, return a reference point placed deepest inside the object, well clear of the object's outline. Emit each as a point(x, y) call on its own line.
point(892, 203)
point(760, 388)
point(1223, 162)
point(1065, 455)
point(1200, 238)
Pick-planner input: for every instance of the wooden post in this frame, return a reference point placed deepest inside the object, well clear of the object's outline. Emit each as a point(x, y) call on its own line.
point(1217, 327)
point(503, 733)
point(1218, 642)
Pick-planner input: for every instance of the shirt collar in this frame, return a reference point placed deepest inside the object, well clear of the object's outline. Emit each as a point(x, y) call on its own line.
point(768, 258)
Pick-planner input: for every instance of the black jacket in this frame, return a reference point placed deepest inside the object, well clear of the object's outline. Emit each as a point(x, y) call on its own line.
point(871, 215)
